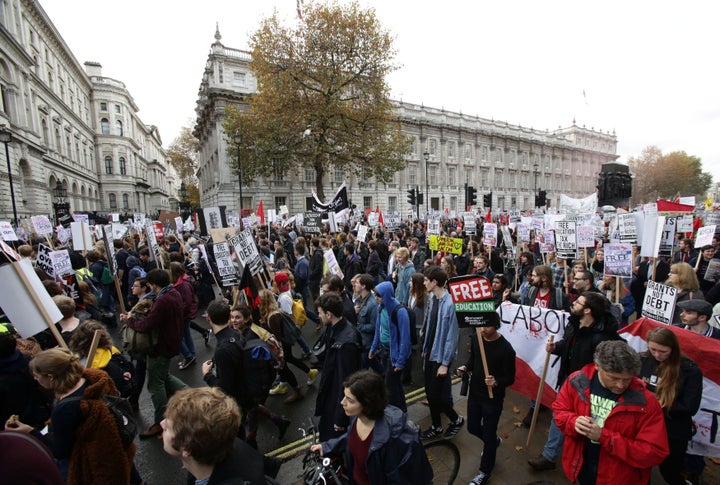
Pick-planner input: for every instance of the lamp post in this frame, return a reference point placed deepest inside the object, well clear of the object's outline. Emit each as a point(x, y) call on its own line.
point(6, 138)
point(184, 206)
point(426, 156)
point(237, 138)
point(535, 172)
point(61, 207)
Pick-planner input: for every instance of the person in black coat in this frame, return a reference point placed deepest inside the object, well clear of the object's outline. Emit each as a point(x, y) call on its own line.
point(213, 454)
point(343, 345)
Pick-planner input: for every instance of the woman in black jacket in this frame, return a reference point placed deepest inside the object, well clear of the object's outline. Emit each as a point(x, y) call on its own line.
point(677, 382)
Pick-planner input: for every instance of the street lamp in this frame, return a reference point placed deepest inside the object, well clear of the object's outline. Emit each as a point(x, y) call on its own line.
point(426, 156)
point(184, 205)
point(61, 207)
point(237, 138)
point(6, 138)
point(535, 171)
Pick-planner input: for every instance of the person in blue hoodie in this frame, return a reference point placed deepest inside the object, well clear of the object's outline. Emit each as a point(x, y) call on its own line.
point(391, 344)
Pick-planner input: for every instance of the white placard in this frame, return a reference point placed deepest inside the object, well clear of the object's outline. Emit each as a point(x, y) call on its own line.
point(566, 239)
point(7, 232)
point(362, 233)
point(651, 236)
point(179, 224)
point(490, 234)
point(684, 224)
point(82, 239)
point(659, 302)
point(586, 236)
point(333, 265)
point(61, 262)
point(81, 218)
point(42, 225)
point(17, 301)
point(704, 236)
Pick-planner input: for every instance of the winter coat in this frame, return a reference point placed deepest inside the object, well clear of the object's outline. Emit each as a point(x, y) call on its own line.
point(166, 315)
point(400, 344)
point(366, 318)
point(402, 291)
point(243, 466)
point(184, 285)
point(20, 393)
point(633, 438)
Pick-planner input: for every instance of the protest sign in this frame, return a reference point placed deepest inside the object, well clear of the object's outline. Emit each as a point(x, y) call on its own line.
point(223, 261)
point(586, 236)
point(433, 226)
point(139, 218)
point(618, 259)
point(152, 241)
point(7, 232)
point(659, 302)
point(246, 251)
point(627, 228)
point(333, 266)
point(470, 225)
point(528, 329)
point(651, 236)
point(705, 352)
point(523, 232)
point(82, 239)
point(362, 233)
point(43, 260)
point(566, 239)
point(446, 244)
point(118, 230)
point(507, 239)
point(312, 222)
point(548, 241)
point(489, 236)
point(667, 239)
point(179, 224)
point(704, 236)
point(61, 262)
point(712, 273)
point(81, 218)
point(473, 299)
point(684, 224)
point(213, 218)
point(42, 225)
point(9, 251)
point(650, 209)
point(222, 233)
point(70, 288)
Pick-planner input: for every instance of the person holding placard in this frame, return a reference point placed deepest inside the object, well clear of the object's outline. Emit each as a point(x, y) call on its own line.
point(706, 267)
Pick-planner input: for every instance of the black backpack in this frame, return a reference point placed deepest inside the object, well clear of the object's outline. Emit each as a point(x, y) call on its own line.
point(414, 466)
point(411, 317)
point(122, 413)
point(258, 367)
point(123, 374)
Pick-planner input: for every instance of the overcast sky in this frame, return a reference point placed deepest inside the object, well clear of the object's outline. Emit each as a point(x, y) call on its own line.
point(648, 70)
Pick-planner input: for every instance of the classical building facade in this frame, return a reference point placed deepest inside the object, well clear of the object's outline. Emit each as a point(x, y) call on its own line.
point(70, 124)
point(511, 162)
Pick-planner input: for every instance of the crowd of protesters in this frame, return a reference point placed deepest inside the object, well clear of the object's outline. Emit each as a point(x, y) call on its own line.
point(388, 306)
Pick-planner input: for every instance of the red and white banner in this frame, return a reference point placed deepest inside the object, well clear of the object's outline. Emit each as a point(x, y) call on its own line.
point(705, 352)
point(528, 329)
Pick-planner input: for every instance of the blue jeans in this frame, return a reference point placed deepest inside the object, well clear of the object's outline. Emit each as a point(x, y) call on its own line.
point(554, 444)
point(187, 346)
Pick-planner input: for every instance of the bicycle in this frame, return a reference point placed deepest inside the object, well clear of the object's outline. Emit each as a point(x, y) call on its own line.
point(444, 458)
point(321, 470)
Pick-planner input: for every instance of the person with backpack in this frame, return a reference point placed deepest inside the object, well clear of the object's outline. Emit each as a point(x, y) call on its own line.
point(380, 446)
point(242, 367)
point(366, 308)
point(84, 436)
point(391, 342)
point(135, 271)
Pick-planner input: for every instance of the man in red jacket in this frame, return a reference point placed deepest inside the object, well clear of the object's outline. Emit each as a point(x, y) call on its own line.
point(167, 318)
point(614, 427)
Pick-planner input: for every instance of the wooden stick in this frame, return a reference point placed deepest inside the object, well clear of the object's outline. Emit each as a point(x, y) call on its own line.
point(118, 291)
point(538, 398)
point(565, 272)
point(617, 289)
point(93, 349)
point(654, 268)
point(484, 358)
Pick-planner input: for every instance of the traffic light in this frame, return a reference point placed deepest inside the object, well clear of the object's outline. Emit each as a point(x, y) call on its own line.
point(411, 197)
point(542, 198)
point(420, 198)
point(471, 196)
point(487, 200)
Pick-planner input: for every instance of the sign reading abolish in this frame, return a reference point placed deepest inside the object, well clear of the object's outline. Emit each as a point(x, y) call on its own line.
point(447, 244)
point(473, 299)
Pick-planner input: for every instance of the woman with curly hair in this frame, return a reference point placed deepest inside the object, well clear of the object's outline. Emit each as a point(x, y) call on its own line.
point(677, 382)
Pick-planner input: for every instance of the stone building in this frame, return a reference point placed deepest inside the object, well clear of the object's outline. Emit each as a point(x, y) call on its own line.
point(448, 150)
point(71, 126)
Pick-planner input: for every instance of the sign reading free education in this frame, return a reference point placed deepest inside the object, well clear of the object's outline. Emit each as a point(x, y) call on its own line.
point(473, 299)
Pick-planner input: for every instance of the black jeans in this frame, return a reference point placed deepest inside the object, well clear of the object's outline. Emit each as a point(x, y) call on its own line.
point(439, 394)
point(393, 380)
point(483, 415)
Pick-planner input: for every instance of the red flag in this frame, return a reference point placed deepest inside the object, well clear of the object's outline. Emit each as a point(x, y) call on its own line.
point(261, 213)
point(488, 216)
point(381, 221)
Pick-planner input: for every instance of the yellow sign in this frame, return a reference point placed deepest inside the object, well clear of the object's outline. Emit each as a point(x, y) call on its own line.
point(446, 244)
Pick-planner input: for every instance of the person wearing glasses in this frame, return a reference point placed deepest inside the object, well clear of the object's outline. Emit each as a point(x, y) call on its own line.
point(590, 323)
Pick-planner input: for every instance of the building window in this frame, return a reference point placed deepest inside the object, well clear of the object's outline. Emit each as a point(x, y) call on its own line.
point(468, 151)
point(412, 175)
point(484, 178)
point(484, 153)
point(499, 180)
point(108, 165)
point(278, 202)
point(392, 203)
point(451, 176)
point(123, 168)
point(113, 201)
point(453, 203)
point(339, 175)
point(239, 79)
point(412, 147)
point(126, 202)
point(451, 150)
point(103, 106)
point(310, 175)
point(105, 126)
point(367, 202)
point(118, 128)
point(279, 175)
point(432, 175)
point(498, 155)
point(117, 108)
point(432, 147)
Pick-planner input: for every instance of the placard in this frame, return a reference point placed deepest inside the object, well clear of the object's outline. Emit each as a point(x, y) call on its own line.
point(684, 224)
point(246, 251)
point(586, 236)
point(470, 225)
point(618, 259)
point(362, 233)
point(446, 244)
point(223, 261)
point(312, 222)
point(81, 218)
point(333, 266)
point(7, 233)
point(659, 302)
point(43, 260)
point(523, 232)
point(433, 226)
point(490, 234)
point(704, 236)
point(547, 241)
point(566, 239)
point(472, 297)
point(151, 241)
point(651, 236)
point(42, 225)
point(667, 239)
point(61, 263)
point(179, 224)
point(81, 236)
point(507, 239)
point(627, 228)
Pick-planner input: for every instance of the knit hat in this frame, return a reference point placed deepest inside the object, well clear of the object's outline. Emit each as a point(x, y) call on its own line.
point(283, 281)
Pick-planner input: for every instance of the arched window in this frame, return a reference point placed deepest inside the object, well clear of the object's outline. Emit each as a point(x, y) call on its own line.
point(113, 201)
point(126, 201)
point(105, 126)
point(108, 165)
point(123, 168)
point(118, 128)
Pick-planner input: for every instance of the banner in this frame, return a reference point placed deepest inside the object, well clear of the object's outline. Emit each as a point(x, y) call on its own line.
point(338, 203)
point(473, 299)
point(528, 329)
point(587, 204)
point(705, 352)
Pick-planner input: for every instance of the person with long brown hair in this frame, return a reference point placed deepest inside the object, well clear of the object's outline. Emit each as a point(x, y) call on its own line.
point(83, 434)
point(677, 382)
point(682, 276)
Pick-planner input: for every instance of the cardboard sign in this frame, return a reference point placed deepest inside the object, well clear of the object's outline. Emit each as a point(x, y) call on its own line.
point(659, 302)
point(566, 239)
point(246, 251)
point(704, 236)
point(333, 266)
point(7, 233)
point(81, 236)
point(43, 260)
point(618, 259)
point(490, 234)
point(362, 233)
point(472, 297)
point(446, 244)
point(42, 225)
point(586, 236)
point(225, 266)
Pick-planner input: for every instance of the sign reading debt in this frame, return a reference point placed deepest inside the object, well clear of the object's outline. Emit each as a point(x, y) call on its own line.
point(447, 244)
point(473, 299)
point(246, 251)
point(659, 302)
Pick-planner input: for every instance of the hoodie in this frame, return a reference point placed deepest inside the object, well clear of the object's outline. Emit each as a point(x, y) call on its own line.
point(400, 345)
